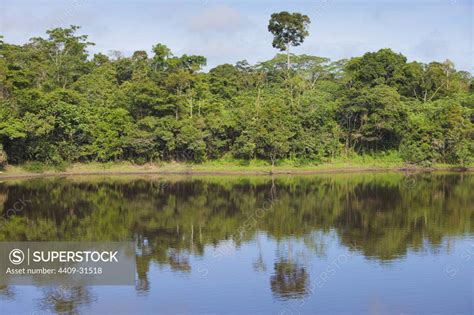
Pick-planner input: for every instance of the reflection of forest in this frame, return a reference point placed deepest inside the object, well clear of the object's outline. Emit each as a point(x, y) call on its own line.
point(379, 215)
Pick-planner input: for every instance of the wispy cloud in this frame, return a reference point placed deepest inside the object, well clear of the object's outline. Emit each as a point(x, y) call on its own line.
point(228, 31)
point(220, 19)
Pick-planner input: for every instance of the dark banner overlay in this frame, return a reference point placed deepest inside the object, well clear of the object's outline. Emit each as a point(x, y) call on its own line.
point(67, 263)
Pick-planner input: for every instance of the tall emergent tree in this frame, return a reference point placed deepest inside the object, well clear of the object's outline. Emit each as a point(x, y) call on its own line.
point(288, 29)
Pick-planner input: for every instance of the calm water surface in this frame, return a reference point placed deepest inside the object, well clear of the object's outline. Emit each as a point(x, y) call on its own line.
point(355, 244)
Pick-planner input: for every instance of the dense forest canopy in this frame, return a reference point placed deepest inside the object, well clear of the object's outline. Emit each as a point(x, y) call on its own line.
point(60, 104)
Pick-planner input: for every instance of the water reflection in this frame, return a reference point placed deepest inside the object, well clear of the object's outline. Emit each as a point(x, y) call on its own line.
point(174, 221)
point(65, 299)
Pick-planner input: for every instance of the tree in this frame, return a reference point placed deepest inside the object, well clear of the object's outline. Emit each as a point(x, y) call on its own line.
point(428, 82)
point(224, 80)
point(108, 130)
point(288, 29)
point(162, 54)
point(65, 53)
point(375, 68)
point(372, 118)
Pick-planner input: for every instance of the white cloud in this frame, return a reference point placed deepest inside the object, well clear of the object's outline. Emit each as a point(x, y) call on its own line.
point(238, 29)
point(222, 19)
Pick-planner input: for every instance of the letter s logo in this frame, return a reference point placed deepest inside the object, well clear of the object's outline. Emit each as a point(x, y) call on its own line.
point(16, 256)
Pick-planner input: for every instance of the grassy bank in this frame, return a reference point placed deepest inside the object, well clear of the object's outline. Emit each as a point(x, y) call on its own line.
point(221, 167)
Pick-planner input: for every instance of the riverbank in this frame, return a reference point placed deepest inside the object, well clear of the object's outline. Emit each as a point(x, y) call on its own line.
point(216, 168)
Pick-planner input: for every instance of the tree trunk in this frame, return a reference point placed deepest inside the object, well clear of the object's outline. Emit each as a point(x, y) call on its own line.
point(191, 107)
point(272, 158)
point(288, 64)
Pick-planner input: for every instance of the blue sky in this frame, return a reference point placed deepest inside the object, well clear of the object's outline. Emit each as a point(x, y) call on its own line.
point(229, 31)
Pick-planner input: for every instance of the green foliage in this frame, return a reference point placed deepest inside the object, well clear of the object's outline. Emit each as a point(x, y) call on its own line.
point(374, 117)
point(449, 140)
point(60, 105)
point(375, 68)
point(288, 29)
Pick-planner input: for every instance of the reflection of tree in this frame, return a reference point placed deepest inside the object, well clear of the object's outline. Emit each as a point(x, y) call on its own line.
point(290, 279)
point(143, 266)
point(65, 300)
point(377, 215)
point(316, 243)
point(258, 264)
point(7, 292)
point(178, 261)
point(3, 199)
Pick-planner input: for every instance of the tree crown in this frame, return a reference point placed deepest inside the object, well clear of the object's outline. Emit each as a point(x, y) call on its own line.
point(288, 29)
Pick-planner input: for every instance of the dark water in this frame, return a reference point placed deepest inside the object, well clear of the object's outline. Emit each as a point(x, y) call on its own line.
point(358, 243)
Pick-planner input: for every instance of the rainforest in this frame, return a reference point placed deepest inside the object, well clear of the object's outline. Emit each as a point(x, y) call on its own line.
point(59, 104)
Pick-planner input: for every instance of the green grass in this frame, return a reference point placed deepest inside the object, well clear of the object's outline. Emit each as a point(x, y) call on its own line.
point(383, 160)
point(39, 167)
point(388, 160)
